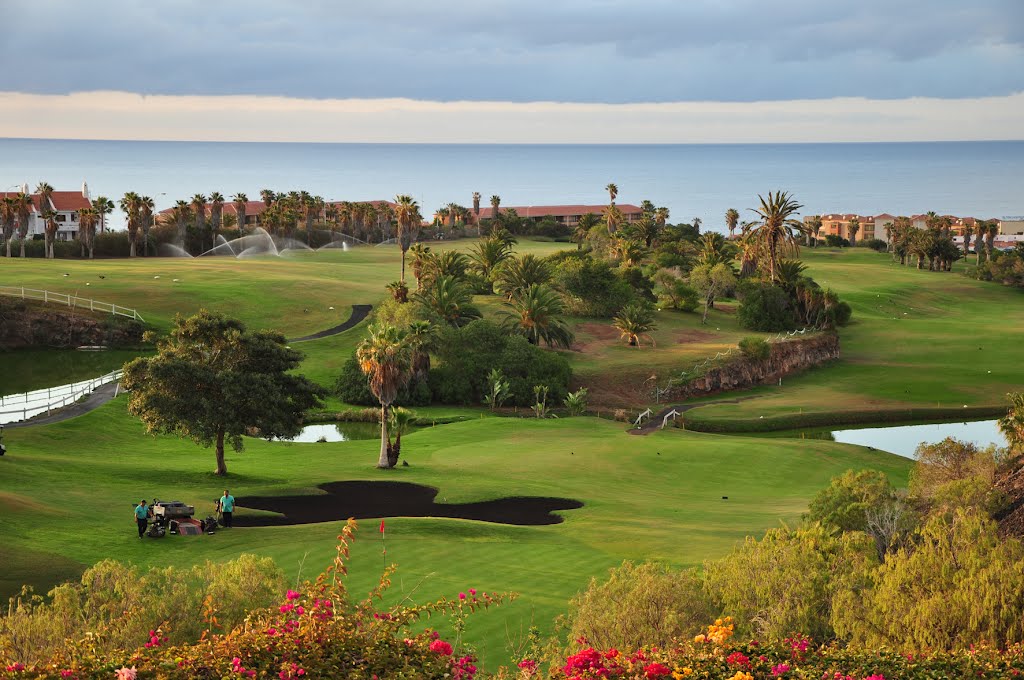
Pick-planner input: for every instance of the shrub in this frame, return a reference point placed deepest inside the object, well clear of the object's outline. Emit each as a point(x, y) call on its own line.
point(765, 308)
point(675, 293)
point(591, 288)
point(833, 241)
point(755, 349)
point(876, 244)
point(352, 387)
point(639, 605)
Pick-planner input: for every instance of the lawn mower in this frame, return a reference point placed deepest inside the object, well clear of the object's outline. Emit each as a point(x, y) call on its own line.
point(176, 517)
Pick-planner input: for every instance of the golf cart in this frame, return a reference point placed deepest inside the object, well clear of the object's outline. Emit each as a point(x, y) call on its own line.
point(176, 517)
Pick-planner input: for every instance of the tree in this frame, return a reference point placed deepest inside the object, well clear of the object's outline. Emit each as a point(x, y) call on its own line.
point(401, 420)
point(130, 204)
point(422, 340)
point(476, 206)
point(844, 504)
point(583, 227)
point(182, 212)
point(407, 214)
point(216, 210)
point(518, 273)
point(88, 218)
point(268, 197)
point(576, 402)
point(146, 208)
point(45, 192)
point(613, 217)
point(814, 226)
point(613, 191)
point(535, 313)
point(712, 282)
point(104, 206)
point(1012, 426)
point(50, 221)
point(648, 229)
point(635, 321)
point(448, 299)
point(385, 357)
point(732, 219)
point(199, 212)
point(853, 229)
point(674, 292)
point(8, 217)
point(23, 203)
point(212, 380)
point(488, 254)
point(495, 209)
point(241, 201)
point(778, 228)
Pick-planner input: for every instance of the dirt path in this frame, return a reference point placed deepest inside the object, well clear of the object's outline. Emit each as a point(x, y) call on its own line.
point(359, 312)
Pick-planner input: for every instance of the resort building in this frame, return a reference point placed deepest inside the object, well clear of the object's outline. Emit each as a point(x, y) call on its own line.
point(1012, 226)
point(65, 205)
point(568, 215)
point(873, 226)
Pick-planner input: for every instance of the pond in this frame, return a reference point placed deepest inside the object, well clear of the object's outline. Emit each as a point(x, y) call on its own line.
point(337, 432)
point(904, 439)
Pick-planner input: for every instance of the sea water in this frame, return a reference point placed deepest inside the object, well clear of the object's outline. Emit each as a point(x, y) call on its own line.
point(979, 179)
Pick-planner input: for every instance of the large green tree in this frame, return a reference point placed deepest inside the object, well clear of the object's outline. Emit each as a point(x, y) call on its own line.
point(535, 312)
point(214, 381)
point(407, 214)
point(778, 229)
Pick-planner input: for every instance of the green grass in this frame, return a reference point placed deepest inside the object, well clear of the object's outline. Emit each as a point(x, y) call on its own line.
point(24, 370)
point(66, 491)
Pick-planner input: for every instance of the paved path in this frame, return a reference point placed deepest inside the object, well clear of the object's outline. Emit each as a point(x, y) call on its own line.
point(359, 312)
point(105, 393)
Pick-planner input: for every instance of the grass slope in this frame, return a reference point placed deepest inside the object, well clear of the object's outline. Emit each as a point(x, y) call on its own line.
point(66, 492)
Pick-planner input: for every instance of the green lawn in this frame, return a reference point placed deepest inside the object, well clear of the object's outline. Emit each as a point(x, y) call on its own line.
point(66, 491)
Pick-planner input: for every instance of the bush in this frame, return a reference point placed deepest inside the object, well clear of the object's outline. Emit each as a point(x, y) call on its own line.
point(875, 244)
point(765, 308)
point(590, 287)
point(833, 241)
point(755, 349)
point(352, 387)
point(638, 605)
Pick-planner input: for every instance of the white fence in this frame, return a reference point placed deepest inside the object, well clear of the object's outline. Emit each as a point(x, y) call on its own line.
point(16, 407)
point(69, 301)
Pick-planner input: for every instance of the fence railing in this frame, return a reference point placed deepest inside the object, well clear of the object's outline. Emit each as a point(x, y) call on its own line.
point(69, 301)
point(696, 369)
point(17, 407)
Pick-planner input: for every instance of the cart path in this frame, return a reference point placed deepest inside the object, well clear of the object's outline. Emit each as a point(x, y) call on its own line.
point(359, 312)
point(105, 393)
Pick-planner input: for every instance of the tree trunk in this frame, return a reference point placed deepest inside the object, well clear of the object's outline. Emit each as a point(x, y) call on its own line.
point(23, 247)
point(707, 303)
point(382, 461)
point(222, 468)
point(131, 252)
point(90, 251)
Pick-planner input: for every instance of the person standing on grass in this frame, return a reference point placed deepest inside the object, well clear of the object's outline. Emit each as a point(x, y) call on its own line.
point(142, 517)
point(227, 507)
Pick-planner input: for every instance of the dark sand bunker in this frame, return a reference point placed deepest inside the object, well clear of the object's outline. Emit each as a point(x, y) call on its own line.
point(395, 499)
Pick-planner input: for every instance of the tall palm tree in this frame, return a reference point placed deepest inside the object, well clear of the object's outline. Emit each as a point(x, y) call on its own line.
point(87, 221)
point(45, 192)
point(8, 217)
point(476, 204)
point(448, 299)
point(852, 230)
point(199, 212)
point(130, 207)
point(661, 216)
point(990, 237)
point(613, 191)
point(420, 256)
point(216, 209)
point(422, 340)
point(23, 203)
point(182, 213)
point(732, 220)
point(582, 229)
point(495, 209)
point(635, 321)
point(814, 226)
point(241, 201)
point(146, 208)
point(268, 197)
point(648, 229)
point(968, 232)
point(778, 229)
point(454, 211)
point(749, 251)
point(535, 312)
point(50, 231)
point(104, 206)
point(401, 420)
point(385, 357)
point(407, 214)
point(613, 217)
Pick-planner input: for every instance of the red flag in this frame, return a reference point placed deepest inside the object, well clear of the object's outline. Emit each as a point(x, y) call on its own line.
point(382, 526)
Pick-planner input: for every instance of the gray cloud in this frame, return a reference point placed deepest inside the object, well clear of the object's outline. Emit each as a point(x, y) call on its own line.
point(519, 50)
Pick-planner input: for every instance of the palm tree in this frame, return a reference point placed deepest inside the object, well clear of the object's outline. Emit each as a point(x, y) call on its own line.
point(51, 225)
point(268, 197)
point(241, 201)
point(385, 358)
point(648, 229)
point(535, 313)
point(635, 321)
point(696, 224)
point(146, 208)
point(476, 205)
point(777, 229)
point(968, 231)
point(450, 300)
point(990, 237)
point(45, 191)
point(661, 217)
point(814, 225)
point(518, 273)
point(199, 212)
point(420, 256)
point(407, 214)
point(399, 291)
point(130, 207)
point(23, 203)
point(732, 219)
point(495, 209)
point(714, 249)
point(216, 209)
point(8, 216)
point(104, 206)
point(88, 218)
point(627, 251)
point(852, 230)
point(401, 420)
point(488, 254)
point(750, 249)
point(182, 211)
point(613, 217)
point(613, 191)
point(583, 227)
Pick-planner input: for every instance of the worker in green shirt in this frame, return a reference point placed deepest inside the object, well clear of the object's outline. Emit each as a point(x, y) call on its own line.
point(142, 517)
point(227, 507)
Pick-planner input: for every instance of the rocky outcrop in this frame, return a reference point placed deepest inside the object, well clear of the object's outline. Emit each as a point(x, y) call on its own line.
point(786, 358)
point(23, 324)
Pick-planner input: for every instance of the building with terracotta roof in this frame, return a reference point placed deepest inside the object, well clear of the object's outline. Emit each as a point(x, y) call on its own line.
point(568, 215)
point(66, 206)
point(873, 226)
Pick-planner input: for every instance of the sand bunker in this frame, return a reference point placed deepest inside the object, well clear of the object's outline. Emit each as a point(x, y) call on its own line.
point(395, 499)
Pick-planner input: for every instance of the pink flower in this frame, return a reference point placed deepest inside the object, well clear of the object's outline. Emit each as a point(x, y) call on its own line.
point(875, 677)
point(285, 608)
point(472, 591)
point(779, 670)
point(462, 596)
point(527, 664)
point(441, 647)
point(15, 668)
point(124, 673)
point(299, 610)
point(656, 670)
point(292, 595)
point(67, 673)
point(271, 631)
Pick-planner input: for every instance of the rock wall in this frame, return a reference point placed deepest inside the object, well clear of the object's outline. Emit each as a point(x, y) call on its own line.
point(786, 358)
point(24, 324)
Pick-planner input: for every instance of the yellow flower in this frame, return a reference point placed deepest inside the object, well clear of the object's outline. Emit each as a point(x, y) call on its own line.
point(680, 674)
point(740, 675)
point(699, 638)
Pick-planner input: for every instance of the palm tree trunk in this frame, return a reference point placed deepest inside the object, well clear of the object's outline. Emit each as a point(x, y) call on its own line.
point(383, 462)
point(403, 267)
point(222, 468)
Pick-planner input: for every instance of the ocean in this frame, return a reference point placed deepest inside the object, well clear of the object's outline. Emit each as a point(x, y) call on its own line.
point(978, 179)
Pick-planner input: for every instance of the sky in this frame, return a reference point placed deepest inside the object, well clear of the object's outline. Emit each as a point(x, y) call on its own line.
point(514, 70)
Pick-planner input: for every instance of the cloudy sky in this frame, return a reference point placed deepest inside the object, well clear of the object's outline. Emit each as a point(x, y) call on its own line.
point(874, 68)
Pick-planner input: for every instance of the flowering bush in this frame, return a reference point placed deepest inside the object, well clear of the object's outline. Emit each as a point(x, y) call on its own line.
point(315, 632)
